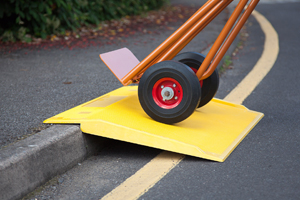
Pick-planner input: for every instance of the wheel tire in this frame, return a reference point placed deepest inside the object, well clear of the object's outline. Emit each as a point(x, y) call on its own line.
point(182, 98)
point(210, 85)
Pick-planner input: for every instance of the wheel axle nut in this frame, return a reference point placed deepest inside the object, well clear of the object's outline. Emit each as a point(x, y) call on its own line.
point(167, 93)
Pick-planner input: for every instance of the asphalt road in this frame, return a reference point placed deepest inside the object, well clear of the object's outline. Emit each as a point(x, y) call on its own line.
point(264, 166)
point(38, 84)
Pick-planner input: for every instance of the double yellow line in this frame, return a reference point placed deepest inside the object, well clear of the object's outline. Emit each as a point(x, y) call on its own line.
point(139, 183)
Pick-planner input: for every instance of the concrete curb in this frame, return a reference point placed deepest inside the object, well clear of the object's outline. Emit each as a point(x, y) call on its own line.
point(35, 160)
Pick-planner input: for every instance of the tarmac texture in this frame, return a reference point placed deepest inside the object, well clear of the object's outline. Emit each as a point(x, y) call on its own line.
point(38, 84)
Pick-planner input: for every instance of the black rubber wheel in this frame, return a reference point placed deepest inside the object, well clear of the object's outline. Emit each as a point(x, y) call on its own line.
point(209, 86)
point(169, 92)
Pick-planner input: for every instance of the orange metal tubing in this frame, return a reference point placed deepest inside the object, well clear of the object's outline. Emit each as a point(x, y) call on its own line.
point(199, 26)
point(173, 49)
point(144, 64)
point(230, 38)
point(228, 26)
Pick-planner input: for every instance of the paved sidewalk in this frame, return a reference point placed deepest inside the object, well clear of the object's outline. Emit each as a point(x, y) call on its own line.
point(38, 84)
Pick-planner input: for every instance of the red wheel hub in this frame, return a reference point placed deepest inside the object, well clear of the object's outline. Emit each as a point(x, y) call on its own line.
point(167, 93)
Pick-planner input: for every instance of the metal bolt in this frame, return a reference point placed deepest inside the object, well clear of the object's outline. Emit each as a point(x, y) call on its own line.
point(176, 97)
point(174, 85)
point(162, 87)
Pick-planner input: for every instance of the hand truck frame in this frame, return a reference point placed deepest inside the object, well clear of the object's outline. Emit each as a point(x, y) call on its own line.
point(168, 91)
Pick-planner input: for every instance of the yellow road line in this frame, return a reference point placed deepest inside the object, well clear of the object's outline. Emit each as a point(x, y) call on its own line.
point(139, 183)
point(263, 65)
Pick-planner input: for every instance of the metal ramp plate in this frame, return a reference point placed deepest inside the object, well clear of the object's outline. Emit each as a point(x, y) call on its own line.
point(211, 132)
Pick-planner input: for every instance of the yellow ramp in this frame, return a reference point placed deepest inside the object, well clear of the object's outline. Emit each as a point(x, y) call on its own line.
point(211, 132)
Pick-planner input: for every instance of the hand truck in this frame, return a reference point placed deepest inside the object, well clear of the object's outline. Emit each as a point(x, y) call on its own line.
point(171, 85)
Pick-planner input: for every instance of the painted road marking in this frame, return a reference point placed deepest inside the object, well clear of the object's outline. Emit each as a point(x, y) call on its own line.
point(139, 183)
point(263, 65)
